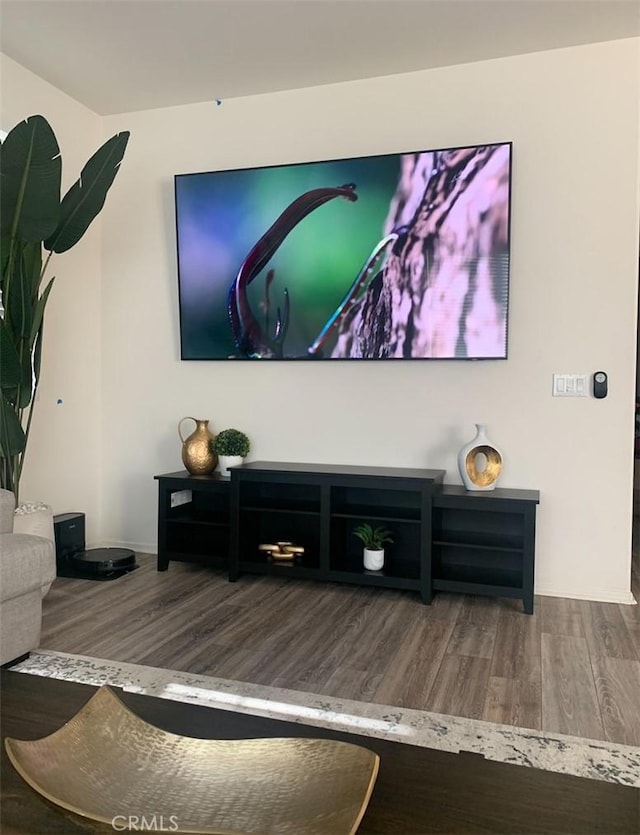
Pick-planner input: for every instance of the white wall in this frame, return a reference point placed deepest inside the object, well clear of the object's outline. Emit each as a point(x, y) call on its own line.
point(573, 118)
point(63, 465)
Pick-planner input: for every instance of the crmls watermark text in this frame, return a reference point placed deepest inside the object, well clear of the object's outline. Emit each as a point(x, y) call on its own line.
point(144, 823)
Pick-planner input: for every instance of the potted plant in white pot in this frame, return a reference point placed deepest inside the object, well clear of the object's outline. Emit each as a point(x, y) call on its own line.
point(231, 446)
point(373, 540)
point(34, 223)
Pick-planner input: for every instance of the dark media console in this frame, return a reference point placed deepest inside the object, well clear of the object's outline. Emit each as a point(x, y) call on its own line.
point(444, 538)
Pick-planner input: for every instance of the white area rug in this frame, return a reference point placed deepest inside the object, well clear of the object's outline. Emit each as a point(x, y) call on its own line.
point(593, 759)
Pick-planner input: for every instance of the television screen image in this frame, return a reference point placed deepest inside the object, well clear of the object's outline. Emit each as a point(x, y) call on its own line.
point(399, 256)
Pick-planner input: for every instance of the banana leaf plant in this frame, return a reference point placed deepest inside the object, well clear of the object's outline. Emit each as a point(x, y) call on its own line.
point(35, 223)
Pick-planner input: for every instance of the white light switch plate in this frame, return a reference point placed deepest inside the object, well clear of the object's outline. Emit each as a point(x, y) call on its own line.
point(180, 497)
point(570, 385)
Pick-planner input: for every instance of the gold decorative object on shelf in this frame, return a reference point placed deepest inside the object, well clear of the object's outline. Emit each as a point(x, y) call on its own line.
point(197, 450)
point(108, 764)
point(486, 477)
point(480, 462)
point(282, 550)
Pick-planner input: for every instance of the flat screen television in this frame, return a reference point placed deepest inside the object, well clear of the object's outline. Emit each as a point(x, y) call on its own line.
point(396, 257)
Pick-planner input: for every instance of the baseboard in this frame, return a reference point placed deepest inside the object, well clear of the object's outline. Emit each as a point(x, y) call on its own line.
point(623, 597)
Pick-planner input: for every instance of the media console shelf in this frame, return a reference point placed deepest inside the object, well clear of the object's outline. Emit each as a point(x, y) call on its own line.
point(318, 506)
point(193, 519)
point(484, 542)
point(445, 538)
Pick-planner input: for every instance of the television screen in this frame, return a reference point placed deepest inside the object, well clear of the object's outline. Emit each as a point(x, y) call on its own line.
point(400, 256)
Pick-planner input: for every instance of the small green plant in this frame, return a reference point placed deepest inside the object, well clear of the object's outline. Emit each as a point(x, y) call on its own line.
point(231, 442)
point(373, 538)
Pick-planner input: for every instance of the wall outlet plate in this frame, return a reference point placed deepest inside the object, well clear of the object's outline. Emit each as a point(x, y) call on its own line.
point(570, 385)
point(180, 497)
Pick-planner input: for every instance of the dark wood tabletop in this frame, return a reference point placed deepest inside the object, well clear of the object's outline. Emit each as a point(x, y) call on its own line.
point(418, 790)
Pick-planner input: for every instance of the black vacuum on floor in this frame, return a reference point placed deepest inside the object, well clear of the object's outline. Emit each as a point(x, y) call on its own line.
point(74, 560)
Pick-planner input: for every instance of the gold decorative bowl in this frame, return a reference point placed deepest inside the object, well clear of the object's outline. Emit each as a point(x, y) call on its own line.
point(109, 765)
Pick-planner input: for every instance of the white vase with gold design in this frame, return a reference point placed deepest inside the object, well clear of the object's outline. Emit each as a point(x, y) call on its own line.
point(480, 462)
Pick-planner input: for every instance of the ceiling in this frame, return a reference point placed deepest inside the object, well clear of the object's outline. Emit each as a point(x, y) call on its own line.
point(116, 56)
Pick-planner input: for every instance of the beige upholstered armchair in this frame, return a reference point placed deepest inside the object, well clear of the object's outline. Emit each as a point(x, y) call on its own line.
point(27, 569)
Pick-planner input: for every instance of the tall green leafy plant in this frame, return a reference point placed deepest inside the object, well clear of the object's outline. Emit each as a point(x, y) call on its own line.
point(34, 224)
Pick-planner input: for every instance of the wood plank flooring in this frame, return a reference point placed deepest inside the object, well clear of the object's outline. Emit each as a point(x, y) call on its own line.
point(572, 667)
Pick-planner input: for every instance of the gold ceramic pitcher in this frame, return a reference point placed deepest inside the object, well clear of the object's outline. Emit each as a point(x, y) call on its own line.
point(197, 450)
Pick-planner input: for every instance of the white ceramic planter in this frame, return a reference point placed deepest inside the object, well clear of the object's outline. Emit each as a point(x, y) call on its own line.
point(227, 461)
point(373, 560)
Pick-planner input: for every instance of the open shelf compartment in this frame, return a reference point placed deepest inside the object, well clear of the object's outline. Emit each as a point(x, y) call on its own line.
point(280, 497)
point(260, 527)
point(206, 543)
point(485, 567)
point(401, 557)
point(476, 529)
point(382, 503)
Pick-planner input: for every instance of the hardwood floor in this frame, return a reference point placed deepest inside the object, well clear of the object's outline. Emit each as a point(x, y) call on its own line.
point(572, 667)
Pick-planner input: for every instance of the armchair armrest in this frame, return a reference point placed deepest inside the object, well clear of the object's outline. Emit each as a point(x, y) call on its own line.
point(27, 563)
